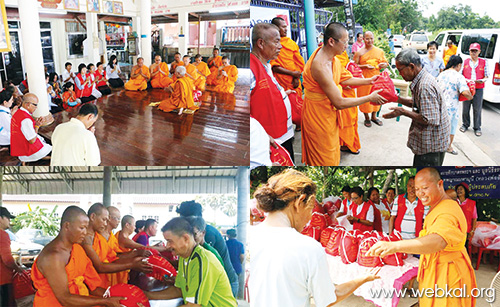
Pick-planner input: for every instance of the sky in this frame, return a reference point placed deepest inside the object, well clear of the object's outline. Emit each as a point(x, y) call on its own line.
point(491, 7)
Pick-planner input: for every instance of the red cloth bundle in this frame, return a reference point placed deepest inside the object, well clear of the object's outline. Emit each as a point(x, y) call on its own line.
point(22, 284)
point(152, 250)
point(348, 248)
point(318, 208)
point(296, 102)
point(161, 267)
point(385, 84)
point(325, 236)
point(331, 207)
point(394, 259)
point(332, 248)
point(135, 296)
point(355, 71)
point(472, 88)
point(313, 232)
point(364, 260)
point(320, 220)
point(280, 155)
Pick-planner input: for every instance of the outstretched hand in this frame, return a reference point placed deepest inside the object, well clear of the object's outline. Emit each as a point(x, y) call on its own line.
point(381, 249)
point(376, 98)
point(140, 265)
point(397, 111)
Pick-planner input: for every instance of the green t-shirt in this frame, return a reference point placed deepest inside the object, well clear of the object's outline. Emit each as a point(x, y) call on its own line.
point(214, 251)
point(203, 281)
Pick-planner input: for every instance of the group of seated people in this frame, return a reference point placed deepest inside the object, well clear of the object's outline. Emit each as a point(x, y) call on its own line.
point(86, 258)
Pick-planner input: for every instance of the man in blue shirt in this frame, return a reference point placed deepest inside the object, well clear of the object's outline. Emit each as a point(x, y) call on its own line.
point(236, 251)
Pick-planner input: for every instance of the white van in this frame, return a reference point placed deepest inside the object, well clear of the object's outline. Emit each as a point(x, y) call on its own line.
point(490, 51)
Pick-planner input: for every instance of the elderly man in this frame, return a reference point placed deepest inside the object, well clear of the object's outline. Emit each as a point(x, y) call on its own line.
point(181, 96)
point(269, 103)
point(444, 262)
point(74, 141)
point(449, 50)
point(370, 59)
point(63, 274)
point(323, 76)
point(408, 212)
point(159, 73)
point(475, 69)
point(429, 132)
point(228, 74)
point(25, 142)
point(139, 77)
point(7, 264)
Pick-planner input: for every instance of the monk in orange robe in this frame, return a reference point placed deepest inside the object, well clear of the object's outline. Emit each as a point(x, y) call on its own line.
point(114, 221)
point(450, 50)
point(101, 254)
point(177, 62)
point(203, 72)
point(323, 75)
point(444, 262)
point(63, 274)
point(191, 72)
point(289, 65)
point(139, 77)
point(228, 74)
point(213, 64)
point(348, 124)
point(370, 59)
point(181, 96)
point(159, 74)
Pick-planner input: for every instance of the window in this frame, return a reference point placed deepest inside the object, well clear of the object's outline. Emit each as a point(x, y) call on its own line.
point(439, 39)
point(419, 38)
point(170, 208)
point(76, 35)
point(487, 42)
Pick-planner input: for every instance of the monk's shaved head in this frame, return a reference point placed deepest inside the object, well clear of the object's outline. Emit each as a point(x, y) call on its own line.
point(277, 21)
point(96, 208)
point(71, 214)
point(113, 210)
point(263, 31)
point(368, 33)
point(333, 30)
point(431, 173)
point(114, 217)
point(127, 219)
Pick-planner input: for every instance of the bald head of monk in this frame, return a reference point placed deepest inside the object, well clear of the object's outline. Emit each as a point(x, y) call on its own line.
point(281, 24)
point(215, 52)
point(186, 59)
point(30, 102)
point(98, 216)
point(114, 217)
point(74, 223)
point(128, 224)
point(177, 57)
point(429, 187)
point(266, 39)
point(140, 62)
point(225, 61)
point(180, 71)
point(336, 37)
point(157, 59)
point(198, 58)
point(368, 38)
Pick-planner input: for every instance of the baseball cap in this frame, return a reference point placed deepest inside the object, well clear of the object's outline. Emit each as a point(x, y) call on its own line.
point(6, 213)
point(465, 185)
point(475, 46)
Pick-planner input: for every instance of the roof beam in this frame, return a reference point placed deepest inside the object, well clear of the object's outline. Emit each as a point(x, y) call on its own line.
point(65, 176)
point(118, 178)
point(14, 171)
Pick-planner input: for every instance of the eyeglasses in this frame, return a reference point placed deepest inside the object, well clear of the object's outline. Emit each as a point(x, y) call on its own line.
point(337, 40)
point(474, 51)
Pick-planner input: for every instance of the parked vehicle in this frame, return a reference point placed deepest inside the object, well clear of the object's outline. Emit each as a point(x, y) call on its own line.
point(25, 252)
point(416, 40)
point(34, 236)
point(398, 40)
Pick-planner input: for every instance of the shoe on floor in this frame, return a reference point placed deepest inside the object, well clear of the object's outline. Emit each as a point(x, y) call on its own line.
point(346, 149)
point(368, 123)
point(378, 122)
point(463, 129)
point(478, 133)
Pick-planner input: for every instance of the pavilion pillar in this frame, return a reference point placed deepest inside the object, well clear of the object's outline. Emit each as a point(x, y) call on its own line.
point(92, 42)
point(309, 17)
point(146, 31)
point(106, 191)
point(33, 59)
point(243, 181)
point(183, 32)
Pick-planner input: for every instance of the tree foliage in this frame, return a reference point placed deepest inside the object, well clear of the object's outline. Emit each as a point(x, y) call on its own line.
point(225, 203)
point(459, 17)
point(38, 219)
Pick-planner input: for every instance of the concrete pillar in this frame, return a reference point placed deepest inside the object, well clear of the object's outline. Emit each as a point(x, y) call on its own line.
point(183, 32)
point(102, 38)
point(243, 180)
point(106, 191)
point(136, 27)
point(309, 16)
point(146, 31)
point(33, 59)
point(92, 42)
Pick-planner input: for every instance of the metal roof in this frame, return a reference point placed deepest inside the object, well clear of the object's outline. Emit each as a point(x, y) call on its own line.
point(126, 180)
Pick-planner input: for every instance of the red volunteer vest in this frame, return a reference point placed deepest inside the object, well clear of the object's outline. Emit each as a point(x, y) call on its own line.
point(377, 217)
point(467, 71)
point(386, 203)
point(361, 216)
point(87, 90)
point(97, 74)
point(419, 214)
point(468, 208)
point(19, 145)
point(266, 103)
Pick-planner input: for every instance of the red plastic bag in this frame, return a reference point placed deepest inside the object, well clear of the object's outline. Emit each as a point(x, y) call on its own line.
point(296, 102)
point(325, 236)
point(318, 208)
point(364, 260)
point(280, 155)
point(135, 296)
point(385, 84)
point(332, 248)
point(319, 220)
point(394, 259)
point(355, 71)
point(348, 248)
point(472, 88)
point(313, 232)
point(161, 267)
point(22, 284)
point(152, 250)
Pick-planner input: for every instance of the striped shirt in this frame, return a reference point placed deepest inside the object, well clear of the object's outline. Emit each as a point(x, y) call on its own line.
point(408, 224)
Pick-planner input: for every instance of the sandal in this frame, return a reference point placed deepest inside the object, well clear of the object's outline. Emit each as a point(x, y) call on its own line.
point(463, 129)
point(453, 152)
point(346, 149)
point(368, 123)
point(378, 122)
point(478, 133)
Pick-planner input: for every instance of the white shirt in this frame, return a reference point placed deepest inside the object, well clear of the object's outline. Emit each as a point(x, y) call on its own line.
point(29, 133)
point(287, 269)
point(74, 145)
point(259, 145)
point(347, 210)
point(369, 214)
point(408, 224)
point(5, 118)
point(113, 75)
point(385, 223)
point(66, 75)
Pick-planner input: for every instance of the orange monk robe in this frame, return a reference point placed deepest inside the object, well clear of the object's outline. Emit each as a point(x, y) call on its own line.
point(214, 70)
point(289, 58)
point(226, 84)
point(373, 57)
point(320, 127)
point(160, 80)
point(448, 52)
point(119, 277)
point(348, 132)
point(191, 70)
point(181, 97)
point(203, 73)
point(138, 83)
point(81, 274)
point(450, 267)
point(173, 66)
point(106, 255)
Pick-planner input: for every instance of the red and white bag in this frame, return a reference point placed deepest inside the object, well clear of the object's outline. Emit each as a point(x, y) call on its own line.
point(364, 246)
point(332, 248)
point(356, 72)
point(22, 284)
point(394, 259)
point(325, 235)
point(348, 248)
point(384, 83)
point(313, 232)
point(280, 155)
point(161, 267)
point(134, 295)
point(472, 88)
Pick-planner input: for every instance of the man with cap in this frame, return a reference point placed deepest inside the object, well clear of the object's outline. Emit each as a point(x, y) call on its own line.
point(7, 264)
point(468, 207)
point(474, 69)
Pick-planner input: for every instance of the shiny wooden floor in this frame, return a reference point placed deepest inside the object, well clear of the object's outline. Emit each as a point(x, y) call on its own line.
point(130, 132)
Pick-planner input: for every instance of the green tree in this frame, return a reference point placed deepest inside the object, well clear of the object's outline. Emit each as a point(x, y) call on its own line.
point(459, 17)
point(225, 203)
point(38, 219)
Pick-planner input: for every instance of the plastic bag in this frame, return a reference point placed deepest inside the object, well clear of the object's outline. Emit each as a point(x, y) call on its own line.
point(161, 267)
point(364, 246)
point(356, 72)
point(134, 295)
point(296, 102)
point(22, 284)
point(384, 83)
point(332, 248)
point(348, 248)
point(472, 88)
point(311, 231)
point(280, 155)
point(325, 236)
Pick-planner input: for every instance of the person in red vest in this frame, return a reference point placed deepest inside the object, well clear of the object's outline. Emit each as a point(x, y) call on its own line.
point(408, 213)
point(381, 211)
point(468, 207)
point(25, 142)
point(346, 202)
point(389, 197)
point(477, 70)
point(269, 102)
point(362, 217)
point(83, 85)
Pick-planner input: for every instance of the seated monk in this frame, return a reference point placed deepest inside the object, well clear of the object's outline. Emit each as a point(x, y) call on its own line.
point(213, 64)
point(104, 259)
point(182, 94)
point(139, 77)
point(191, 72)
point(63, 274)
point(228, 74)
point(203, 72)
point(177, 62)
point(159, 74)
point(114, 220)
